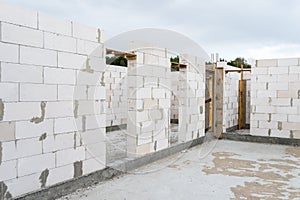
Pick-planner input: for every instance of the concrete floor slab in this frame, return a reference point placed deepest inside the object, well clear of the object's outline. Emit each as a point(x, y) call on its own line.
point(219, 169)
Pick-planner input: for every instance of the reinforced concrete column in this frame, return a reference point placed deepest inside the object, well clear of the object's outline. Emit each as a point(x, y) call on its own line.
point(218, 102)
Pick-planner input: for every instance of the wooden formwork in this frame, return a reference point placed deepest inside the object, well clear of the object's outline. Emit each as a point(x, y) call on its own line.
point(214, 113)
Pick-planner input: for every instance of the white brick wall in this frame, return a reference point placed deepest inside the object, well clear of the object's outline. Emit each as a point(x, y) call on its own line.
point(38, 92)
point(63, 125)
point(247, 77)
point(59, 42)
point(59, 76)
point(21, 73)
point(70, 156)
point(87, 48)
point(26, 129)
point(273, 106)
point(22, 185)
point(69, 92)
point(116, 98)
point(21, 35)
point(143, 87)
point(9, 91)
point(191, 98)
point(9, 52)
point(51, 95)
point(93, 136)
point(92, 165)
point(175, 95)
point(29, 165)
point(37, 56)
point(28, 147)
point(71, 61)
point(60, 174)
point(8, 170)
point(231, 100)
point(59, 109)
point(9, 151)
point(21, 111)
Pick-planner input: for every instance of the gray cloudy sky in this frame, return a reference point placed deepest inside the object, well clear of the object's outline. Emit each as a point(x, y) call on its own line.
point(251, 29)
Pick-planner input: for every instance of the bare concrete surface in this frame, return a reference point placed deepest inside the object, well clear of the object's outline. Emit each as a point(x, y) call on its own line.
point(116, 146)
point(242, 131)
point(116, 143)
point(219, 169)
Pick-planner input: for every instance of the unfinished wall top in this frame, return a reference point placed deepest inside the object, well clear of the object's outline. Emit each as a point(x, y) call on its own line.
point(284, 62)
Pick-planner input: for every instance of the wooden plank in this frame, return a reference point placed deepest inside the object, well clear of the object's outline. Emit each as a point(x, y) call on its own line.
point(211, 105)
point(242, 104)
point(209, 100)
point(237, 70)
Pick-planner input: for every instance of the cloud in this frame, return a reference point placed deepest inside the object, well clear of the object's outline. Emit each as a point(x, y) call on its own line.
point(268, 52)
point(231, 27)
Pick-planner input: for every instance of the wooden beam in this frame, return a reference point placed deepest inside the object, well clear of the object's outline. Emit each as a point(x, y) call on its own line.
point(237, 70)
point(242, 104)
point(129, 56)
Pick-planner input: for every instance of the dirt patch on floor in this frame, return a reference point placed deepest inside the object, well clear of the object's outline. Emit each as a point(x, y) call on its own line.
point(271, 176)
point(226, 165)
point(270, 190)
point(294, 151)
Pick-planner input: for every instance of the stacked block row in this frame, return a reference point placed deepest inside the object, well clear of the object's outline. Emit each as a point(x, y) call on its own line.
point(52, 100)
point(247, 77)
point(231, 100)
point(116, 95)
point(175, 96)
point(149, 102)
point(191, 98)
point(275, 98)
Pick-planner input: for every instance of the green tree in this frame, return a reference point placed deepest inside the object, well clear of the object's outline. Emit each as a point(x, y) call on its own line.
point(238, 62)
point(175, 59)
point(174, 67)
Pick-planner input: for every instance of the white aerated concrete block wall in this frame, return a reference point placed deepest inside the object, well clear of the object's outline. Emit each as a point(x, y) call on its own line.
point(116, 95)
point(149, 102)
point(191, 99)
point(247, 77)
point(231, 100)
point(231, 96)
point(52, 100)
point(275, 98)
point(175, 95)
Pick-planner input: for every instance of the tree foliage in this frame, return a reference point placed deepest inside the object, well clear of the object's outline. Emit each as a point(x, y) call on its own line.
point(175, 59)
point(238, 62)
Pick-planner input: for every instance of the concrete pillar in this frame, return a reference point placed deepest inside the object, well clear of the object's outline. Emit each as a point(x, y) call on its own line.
point(218, 105)
point(149, 102)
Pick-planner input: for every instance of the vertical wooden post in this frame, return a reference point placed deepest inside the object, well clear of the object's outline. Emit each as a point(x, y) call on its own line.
point(242, 101)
